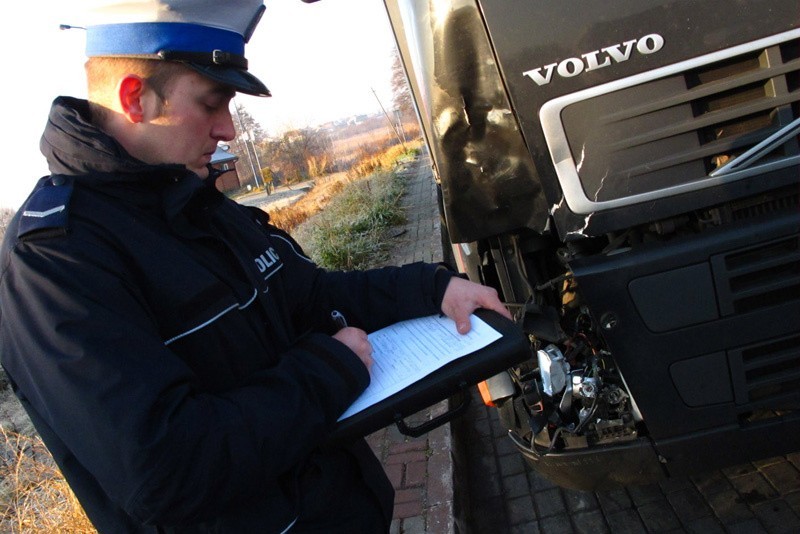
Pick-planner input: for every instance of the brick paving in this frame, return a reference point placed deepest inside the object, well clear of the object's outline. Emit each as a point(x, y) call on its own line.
point(421, 469)
point(467, 478)
point(505, 495)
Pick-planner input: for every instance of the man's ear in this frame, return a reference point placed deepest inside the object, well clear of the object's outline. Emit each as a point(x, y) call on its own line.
point(130, 92)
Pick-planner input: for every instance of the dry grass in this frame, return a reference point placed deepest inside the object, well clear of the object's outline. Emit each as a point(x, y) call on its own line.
point(350, 149)
point(351, 232)
point(34, 497)
point(324, 189)
point(381, 160)
point(327, 187)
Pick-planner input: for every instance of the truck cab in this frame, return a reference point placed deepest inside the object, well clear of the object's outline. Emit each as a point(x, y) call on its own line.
point(626, 175)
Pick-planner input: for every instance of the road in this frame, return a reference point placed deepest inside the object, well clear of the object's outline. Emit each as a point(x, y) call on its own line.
point(281, 197)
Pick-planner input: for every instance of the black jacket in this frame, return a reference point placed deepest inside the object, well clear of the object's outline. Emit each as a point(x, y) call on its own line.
point(173, 348)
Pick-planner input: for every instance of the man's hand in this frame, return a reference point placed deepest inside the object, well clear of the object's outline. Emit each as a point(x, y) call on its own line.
point(357, 341)
point(463, 297)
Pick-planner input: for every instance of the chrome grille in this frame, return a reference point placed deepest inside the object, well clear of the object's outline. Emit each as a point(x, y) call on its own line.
point(671, 130)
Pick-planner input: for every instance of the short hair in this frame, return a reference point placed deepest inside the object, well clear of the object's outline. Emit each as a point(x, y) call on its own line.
point(103, 74)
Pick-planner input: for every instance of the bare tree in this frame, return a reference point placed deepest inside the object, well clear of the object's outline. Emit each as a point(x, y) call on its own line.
point(249, 135)
point(248, 124)
point(401, 94)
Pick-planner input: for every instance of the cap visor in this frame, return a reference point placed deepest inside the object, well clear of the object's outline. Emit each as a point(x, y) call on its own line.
point(241, 80)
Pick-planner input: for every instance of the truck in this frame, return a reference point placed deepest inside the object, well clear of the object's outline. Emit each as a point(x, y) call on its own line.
point(625, 174)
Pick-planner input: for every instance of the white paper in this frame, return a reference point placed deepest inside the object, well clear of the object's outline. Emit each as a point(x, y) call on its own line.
point(406, 352)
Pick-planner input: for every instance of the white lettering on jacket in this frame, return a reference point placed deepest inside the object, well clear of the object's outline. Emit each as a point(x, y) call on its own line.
point(268, 262)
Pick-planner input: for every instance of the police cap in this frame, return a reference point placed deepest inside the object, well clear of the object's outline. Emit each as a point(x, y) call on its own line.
point(206, 35)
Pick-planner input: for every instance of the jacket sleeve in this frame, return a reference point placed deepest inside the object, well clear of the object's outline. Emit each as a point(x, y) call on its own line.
point(80, 345)
point(370, 299)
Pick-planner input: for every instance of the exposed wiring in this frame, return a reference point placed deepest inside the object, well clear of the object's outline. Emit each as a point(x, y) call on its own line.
point(550, 284)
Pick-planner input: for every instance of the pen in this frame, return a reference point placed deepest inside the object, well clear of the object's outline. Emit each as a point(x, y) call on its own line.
point(338, 319)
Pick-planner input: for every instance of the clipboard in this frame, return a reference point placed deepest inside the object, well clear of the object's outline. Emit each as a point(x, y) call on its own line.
point(451, 379)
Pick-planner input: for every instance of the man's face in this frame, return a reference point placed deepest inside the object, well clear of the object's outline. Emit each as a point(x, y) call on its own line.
point(186, 127)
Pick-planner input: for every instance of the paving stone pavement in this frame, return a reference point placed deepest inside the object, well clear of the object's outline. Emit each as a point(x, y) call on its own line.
point(467, 478)
point(505, 495)
point(421, 469)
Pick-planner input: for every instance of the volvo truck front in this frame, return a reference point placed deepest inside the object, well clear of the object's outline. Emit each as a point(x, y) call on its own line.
point(625, 173)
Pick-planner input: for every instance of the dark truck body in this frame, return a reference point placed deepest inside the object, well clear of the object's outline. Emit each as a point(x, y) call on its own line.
point(625, 173)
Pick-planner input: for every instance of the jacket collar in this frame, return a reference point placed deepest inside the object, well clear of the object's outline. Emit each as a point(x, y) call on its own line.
point(75, 147)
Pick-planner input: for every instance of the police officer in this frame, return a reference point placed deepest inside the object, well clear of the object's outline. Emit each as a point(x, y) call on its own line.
point(173, 349)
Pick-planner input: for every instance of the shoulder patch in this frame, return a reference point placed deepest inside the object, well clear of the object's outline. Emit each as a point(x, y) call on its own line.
point(47, 207)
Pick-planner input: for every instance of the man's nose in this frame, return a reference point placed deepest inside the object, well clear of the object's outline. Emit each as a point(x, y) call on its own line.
point(223, 128)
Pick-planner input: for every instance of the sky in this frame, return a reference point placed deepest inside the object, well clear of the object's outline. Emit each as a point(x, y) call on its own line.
point(321, 62)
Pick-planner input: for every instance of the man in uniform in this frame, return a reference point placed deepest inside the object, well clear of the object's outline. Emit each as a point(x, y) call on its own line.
point(173, 349)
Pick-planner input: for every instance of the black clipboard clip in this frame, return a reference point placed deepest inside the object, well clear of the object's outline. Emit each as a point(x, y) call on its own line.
point(439, 420)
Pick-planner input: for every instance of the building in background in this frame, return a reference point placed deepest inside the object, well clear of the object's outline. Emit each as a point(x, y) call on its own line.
point(226, 162)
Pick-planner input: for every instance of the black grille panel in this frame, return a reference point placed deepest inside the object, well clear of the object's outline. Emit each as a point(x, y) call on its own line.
point(780, 201)
point(676, 130)
point(758, 278)
point(770, 371)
